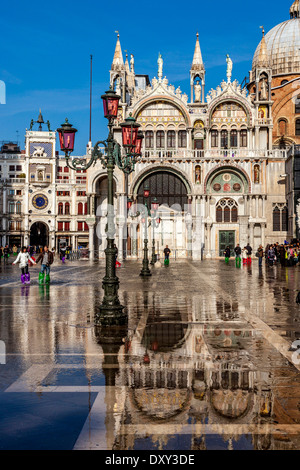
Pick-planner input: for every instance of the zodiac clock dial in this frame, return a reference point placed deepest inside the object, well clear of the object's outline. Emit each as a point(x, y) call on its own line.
point(39, 201)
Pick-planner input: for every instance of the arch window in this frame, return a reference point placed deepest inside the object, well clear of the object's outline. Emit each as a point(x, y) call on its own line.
point(149, 140)
point(182, 139)
point(280, 218)
point(160, 140)
point(167, 187)
point(282, 126)
point(214, 138)
point(18, 207)
point(297, 105)
point(297, 127)
point(67, 208)
point(227, 211)
point(244, 138)
point(224, 139)
point(171, 139)
point(60, 208)
point(233, 138)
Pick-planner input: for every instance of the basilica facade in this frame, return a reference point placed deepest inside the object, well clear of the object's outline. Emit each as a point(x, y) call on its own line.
point(215, 161)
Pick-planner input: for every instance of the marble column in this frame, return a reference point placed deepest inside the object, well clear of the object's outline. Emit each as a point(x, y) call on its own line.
point(92, 241)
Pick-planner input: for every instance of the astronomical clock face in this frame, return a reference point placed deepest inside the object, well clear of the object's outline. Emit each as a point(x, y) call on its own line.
point(39, 201)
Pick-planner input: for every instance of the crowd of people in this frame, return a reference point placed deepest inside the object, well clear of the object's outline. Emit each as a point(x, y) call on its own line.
point(285, 254)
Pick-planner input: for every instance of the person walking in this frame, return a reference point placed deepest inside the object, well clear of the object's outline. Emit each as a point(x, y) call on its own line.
point(271, 256)
point(1, 253)
point(6, 254)
point(46, 257)
point(23, 258)
point(167, 253)
point(260, 253)
point(227, 255)
point(244, 255)
point(238, 252)
point(249, 254)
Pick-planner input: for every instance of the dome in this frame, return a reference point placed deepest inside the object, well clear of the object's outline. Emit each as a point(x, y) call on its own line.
point(283, 48)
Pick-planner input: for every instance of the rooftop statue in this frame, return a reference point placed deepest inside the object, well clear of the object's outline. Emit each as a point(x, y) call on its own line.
point(160, 63)
point(229, 68)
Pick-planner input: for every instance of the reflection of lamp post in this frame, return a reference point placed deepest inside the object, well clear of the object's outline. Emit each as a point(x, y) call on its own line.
point(145, 272)
point(155, 224)
point(111, 311)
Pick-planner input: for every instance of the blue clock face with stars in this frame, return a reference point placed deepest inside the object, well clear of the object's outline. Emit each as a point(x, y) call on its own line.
point(40, 201)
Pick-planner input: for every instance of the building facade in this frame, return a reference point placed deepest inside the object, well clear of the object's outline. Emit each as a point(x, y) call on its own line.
point(43, 202)
point(217, 162)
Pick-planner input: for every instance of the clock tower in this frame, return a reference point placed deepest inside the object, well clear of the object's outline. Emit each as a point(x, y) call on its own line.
point(40, 170)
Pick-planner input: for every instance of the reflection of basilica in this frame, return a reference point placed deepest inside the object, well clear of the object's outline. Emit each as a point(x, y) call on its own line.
point(195, 382)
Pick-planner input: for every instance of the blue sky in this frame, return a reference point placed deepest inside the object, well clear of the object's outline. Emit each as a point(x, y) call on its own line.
point(45, 52)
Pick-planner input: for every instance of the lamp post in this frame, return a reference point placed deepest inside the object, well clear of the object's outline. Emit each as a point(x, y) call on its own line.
point(111, 310)
point(145, 272)
point(155, 224)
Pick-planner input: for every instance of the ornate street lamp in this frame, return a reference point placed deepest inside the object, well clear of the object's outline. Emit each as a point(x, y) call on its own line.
point(111, 310)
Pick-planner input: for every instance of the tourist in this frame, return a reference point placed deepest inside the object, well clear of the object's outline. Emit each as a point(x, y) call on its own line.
point(1, 253)
point(46, 257)
point(238, 252)
point(271, 256)
point(6, 253)
point(167, 253)
point(260, 253)
point(244, 255)
point(249, 254)
point(227, 254)
point(24, 258)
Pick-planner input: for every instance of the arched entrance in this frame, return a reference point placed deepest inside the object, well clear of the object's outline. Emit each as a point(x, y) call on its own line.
point(171, 192)
point(39, 234)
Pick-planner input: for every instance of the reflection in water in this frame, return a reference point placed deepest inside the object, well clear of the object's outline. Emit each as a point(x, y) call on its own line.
point(178, 375)
point(187, 372)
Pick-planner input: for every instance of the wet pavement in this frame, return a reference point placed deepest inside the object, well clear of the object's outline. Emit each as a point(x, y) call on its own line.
point(205, 362)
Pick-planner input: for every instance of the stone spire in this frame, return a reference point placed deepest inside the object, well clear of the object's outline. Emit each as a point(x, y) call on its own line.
point(295, 10)
point(118, 62)
point(127, 69)
point(263, 58)
point(197, 60)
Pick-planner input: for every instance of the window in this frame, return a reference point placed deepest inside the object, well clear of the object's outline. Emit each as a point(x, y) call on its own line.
point(80, 225)
point(160, 140)
point(19, 168)
point(282, 126)
point(297, 105)
point(171, 139)
point(18, 207)
point(244, 138)
point(81, 193)
point(80, 209)
point(149, 140)
point(19, 192)
point(60, 208)
point(233, 138)
point(182, 139)
point(12, 168)
point(214, 139)
point(297, 130)
point(67, 208)
point(11, 192)
point(11, 208)
point(66, 169)
point(85, 209)
point(280, 218)
point(60, 226)
point(227, 211)
point(224, 139)
point(86, 227)
point(59, 169)
point(67, 226)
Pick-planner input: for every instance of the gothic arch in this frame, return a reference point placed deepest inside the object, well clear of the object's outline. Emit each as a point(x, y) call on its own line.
point(229, 99)
point(157, 168)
